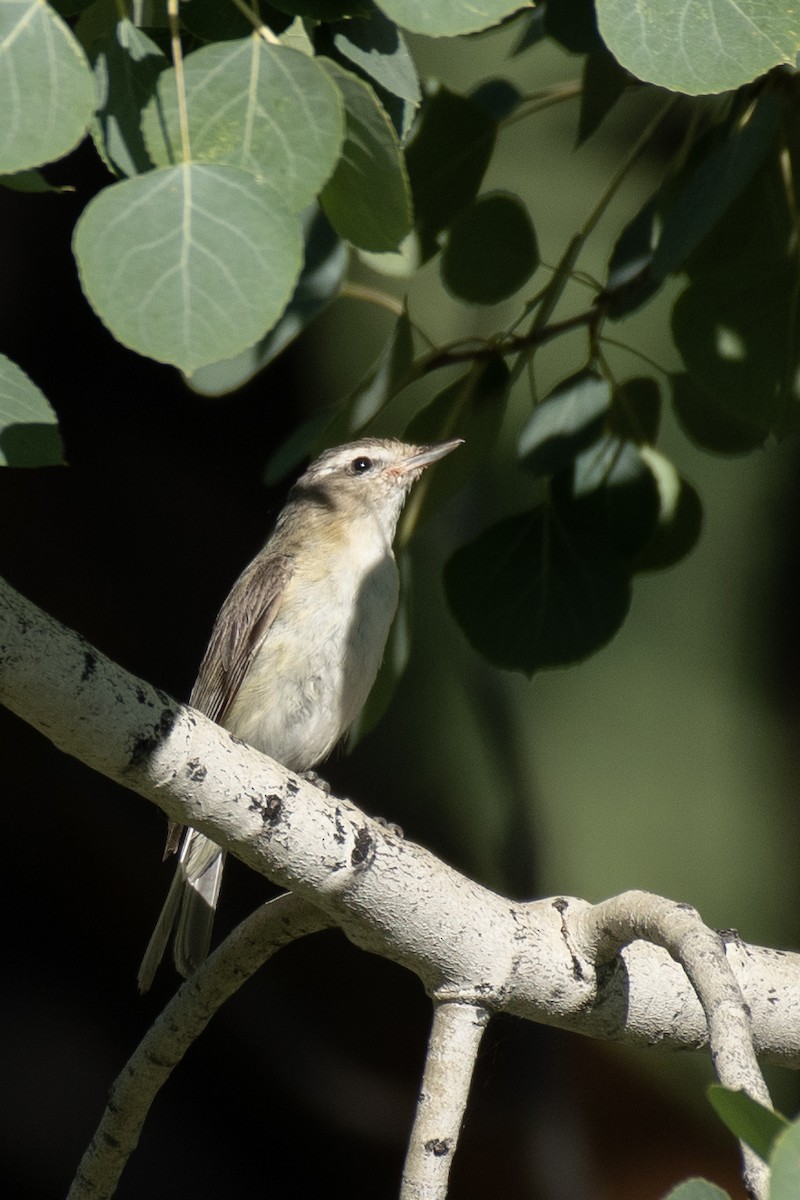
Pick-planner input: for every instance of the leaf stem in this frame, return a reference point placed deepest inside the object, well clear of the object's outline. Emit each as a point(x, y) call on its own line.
point(253, 17)
point(180, 80)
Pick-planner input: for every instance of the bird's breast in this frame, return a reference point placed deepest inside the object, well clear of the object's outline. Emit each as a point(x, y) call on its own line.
point(314, 670)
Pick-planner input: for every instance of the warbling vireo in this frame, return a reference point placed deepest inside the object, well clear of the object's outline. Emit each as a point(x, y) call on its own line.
point(296, 646)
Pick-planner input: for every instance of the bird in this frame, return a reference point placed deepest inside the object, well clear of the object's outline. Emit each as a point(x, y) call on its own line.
point(296, 647)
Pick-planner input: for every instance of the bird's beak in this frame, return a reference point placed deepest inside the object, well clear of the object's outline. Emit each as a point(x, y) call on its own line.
point(423, 456)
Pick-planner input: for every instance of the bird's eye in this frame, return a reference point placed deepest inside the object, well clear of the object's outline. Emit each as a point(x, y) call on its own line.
point(359, 466)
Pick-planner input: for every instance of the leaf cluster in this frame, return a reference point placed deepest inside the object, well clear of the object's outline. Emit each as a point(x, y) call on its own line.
point(255, 152)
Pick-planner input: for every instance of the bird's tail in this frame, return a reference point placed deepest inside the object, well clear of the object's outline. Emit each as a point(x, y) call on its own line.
point(188, 909)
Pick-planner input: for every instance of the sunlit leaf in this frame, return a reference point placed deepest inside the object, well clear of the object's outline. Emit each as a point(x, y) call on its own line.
point(47, 93)
point(188, 264)
point(268, 109)
point(748, 1120)
point(368, 198)
point(699, 46)
point(319, 283)
point(447, 18)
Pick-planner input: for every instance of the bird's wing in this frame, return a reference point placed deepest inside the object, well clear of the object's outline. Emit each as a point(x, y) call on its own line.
point(239, 632)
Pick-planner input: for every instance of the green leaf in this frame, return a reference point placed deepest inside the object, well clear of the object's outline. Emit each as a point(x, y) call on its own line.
point(573, 23)
point(376, 46)
point(636, 411)
point(680, 517)
point(30, 181)
point(699, 46)
point(491, 249)
point(473, 408)
point(533, 592)
point(126, 64)
point(713, 186)
point(324, 10)
point(447, 160)
point(368, 199)
point(708, 423)
point(448, 18)
point(497, 97)
point(47, 94)
point(785, 1165)
point(29, 434)
point(614, 490)
point(737, 335)
point(268, 109)
point(188, 264)
point(565, 422)
point(630, 282)
point(604, 81)
point(747, 1120)
point(697, 1189)
point(319, 283)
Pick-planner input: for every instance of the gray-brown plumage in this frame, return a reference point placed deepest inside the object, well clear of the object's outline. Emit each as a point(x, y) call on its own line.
point(297, 645)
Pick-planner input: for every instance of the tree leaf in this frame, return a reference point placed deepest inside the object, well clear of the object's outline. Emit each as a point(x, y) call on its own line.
point(377, 47)
point(565, 422)
point(785, 1165)
point(448, 18)
point(47, 93)
point(188, 264)
point(699, 46)
point(737, 336)
point(573, 24)
point(447, 159)
point(680, 517)
point(126, 65)
point(319, 283)
point(709, 423)
point(368, 198)
point(748, 1120)
point(29, 434)
point(604, 81)
point(533, 592)
point(630, 282)
point(713, 185)
point(614, 490)
point(268, 109)
point(491, 249)
point(697, 1189)
point(636, 409)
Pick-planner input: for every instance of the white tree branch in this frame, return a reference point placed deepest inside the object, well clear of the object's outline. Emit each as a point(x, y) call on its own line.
point(609, 926)
point(549, 960)
point(456, 1035)
point(130, 1098)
